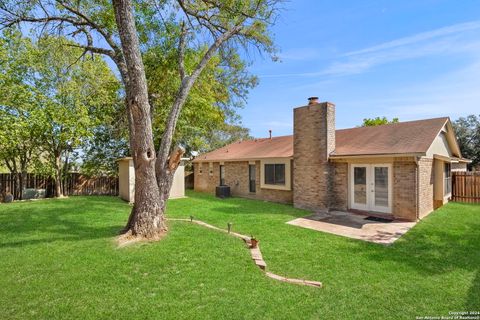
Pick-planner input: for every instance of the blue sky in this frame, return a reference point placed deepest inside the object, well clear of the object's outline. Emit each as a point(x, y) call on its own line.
point(405, 59)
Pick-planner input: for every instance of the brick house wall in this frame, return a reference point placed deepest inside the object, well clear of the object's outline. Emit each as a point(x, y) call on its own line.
point(237, 178)
point(404, 186)
point(205, 179)
point(407, 193)
point(425, 186)
point(340, 186)
point(405, 189)
point(314, 140)
point(320, 181)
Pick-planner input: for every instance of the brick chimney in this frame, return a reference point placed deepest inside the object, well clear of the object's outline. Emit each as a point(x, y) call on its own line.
point(313, 142)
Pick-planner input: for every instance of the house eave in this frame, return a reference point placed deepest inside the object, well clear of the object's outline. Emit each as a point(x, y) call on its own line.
point(239, 159)
point(383, 155)
point(451, 159)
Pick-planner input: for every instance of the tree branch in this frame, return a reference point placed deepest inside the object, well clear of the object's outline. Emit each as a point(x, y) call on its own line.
point(181, 51)
point(181, 97)
point(106, 35)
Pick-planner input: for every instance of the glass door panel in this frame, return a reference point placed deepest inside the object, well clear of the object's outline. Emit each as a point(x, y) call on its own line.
point(360, 185)
point(381, 186)
point(370, 186)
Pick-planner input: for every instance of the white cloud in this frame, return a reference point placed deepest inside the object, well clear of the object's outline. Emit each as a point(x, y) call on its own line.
point(420, 37)
point(454, 39)
point(454, 94)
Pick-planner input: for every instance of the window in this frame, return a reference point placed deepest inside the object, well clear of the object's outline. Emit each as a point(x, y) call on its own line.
point(251, 178)
point(222, 175)
point(448, 179)
point(200, 168)
point(275, 174)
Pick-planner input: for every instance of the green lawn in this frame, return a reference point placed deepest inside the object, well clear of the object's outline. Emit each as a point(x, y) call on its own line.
point(58, 260)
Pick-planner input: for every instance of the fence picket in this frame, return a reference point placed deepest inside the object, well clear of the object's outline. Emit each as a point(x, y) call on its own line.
point(74, 184)
point(466, 187)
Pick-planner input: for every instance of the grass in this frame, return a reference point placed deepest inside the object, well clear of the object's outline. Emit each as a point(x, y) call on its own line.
point(58, 261)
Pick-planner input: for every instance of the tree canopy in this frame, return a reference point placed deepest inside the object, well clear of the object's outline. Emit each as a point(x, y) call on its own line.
point(467, 130)
point(123, 30)
point(54, 98)
point(377, 121)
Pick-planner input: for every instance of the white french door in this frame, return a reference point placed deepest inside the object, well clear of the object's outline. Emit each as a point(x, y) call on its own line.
point(371, 187)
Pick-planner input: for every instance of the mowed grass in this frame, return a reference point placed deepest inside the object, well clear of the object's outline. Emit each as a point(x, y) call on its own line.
point(58, 260)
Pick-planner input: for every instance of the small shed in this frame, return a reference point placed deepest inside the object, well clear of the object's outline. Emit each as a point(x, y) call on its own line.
point(126, 180)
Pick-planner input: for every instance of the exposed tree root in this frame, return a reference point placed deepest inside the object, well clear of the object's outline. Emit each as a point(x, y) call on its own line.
point(127, 238)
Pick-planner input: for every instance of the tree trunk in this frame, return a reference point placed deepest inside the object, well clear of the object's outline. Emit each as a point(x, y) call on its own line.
point(147, 219)
point(17, 193)
point(58, 176)
point(23, 175)
point(23, 182)
point(166, 175)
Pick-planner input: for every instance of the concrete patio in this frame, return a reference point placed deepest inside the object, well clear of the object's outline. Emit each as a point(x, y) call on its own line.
point(354, 226)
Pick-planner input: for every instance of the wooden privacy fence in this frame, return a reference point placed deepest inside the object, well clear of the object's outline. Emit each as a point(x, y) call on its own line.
point(79, 185)
point(74, 184)
point(466, 187)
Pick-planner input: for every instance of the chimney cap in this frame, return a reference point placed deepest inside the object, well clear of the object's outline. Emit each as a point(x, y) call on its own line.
point(312, 100)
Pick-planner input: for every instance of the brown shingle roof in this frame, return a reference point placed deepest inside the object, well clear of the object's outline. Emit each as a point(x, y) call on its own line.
point(277, 147)
point(398, 138)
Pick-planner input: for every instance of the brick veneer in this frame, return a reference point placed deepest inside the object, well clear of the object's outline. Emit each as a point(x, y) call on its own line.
point(314, 140)
point(206, 182)
point(405, 189)
point(340, 186)
point(425, 186)
point(237, 177)
point(319, 183)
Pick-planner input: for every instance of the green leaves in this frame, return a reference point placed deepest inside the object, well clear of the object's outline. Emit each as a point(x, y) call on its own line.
point(52, 97)
point(371, 122)
point(467, 130)
point(221, 89)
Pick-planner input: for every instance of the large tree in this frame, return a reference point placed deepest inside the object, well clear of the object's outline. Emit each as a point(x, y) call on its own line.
point(213, 24)
point(76, 96)
point(48, 110)
point(19, 118)
point(467, 130)
point(212, 104)
point(208, 120)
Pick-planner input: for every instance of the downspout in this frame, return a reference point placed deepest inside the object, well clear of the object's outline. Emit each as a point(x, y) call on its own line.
point(417, 184)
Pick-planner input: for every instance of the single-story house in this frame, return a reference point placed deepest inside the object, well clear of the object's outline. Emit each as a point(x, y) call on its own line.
point(126, 180)
point(398, 171)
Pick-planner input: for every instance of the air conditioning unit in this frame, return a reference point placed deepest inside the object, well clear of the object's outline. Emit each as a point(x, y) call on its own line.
point(222, 191)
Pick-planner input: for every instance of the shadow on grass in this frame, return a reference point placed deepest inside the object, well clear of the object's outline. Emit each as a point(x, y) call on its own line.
point(50, 220)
